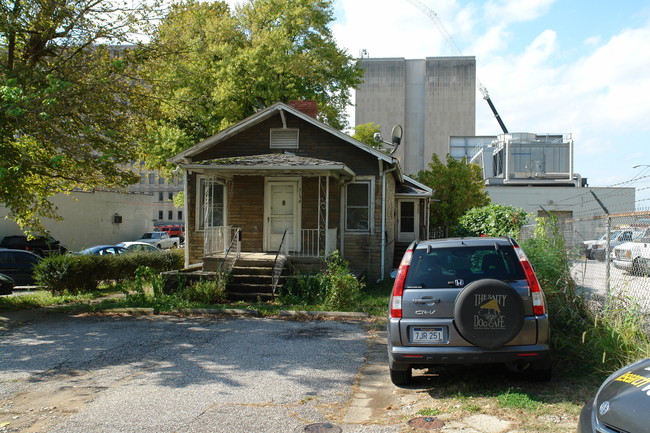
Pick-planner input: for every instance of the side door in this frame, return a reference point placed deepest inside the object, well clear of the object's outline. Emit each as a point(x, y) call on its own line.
point(407, 220)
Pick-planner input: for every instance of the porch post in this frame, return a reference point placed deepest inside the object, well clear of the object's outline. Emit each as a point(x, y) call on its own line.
point(327, 213)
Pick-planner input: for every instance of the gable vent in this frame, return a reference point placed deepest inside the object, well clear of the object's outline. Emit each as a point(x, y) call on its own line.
point(284, 138)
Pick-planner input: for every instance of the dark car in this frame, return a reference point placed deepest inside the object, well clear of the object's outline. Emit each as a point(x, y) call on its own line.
point(40, 245)
point(19, 265)
point(621, 403)
point(101, 250)
point(6, 284)
point(467, 301)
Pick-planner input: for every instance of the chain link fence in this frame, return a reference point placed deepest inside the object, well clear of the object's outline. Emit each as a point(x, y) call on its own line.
point(610, 255)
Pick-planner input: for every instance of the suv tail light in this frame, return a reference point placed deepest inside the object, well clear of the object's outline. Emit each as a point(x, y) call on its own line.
point(535, 289)
point(398, 287)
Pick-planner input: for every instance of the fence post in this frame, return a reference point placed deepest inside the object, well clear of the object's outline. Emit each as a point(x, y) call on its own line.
point(607, 259)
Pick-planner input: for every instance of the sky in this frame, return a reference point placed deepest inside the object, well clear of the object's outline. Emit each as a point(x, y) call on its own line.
point(579, 67)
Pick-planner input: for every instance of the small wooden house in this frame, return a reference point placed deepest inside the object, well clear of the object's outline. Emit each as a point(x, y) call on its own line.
point(283, 183)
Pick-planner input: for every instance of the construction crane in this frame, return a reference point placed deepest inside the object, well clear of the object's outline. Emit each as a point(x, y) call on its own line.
point(450, 42)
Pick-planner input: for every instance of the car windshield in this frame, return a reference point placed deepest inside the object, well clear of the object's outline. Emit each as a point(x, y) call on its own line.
point(614, 235)
point(440, 267)
point(147, 236)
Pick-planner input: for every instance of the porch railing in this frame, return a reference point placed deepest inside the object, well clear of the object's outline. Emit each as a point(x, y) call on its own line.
point(218, 240)
point(280, 259)
point(313, 243)
point(233, 252)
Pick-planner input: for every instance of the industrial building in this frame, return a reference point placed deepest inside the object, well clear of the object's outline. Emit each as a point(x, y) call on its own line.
point(432, 99)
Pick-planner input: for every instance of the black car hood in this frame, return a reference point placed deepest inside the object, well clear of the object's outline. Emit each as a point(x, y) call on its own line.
point(624, 399)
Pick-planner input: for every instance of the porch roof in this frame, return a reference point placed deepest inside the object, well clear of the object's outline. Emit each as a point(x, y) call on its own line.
point(272, 163)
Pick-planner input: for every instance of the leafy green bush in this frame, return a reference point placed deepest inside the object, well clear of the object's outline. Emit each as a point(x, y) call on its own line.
point(492, 220)
point(83, 273)
point(586, 334)
point(335, 288)
point(206, 291)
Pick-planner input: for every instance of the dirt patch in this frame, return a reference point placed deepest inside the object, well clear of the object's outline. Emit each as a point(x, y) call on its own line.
point(44, 406)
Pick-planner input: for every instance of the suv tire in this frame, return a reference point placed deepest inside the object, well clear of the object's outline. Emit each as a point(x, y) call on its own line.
point(401, 378)
point(489, 313)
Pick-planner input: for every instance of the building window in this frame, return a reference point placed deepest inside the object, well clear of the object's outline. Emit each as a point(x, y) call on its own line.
point(211, 199)
point(180, 215)
point(171, 196)
point(358, 207)
point(284, 138)
point(152, 179)
point(160, 215)
point(160, 196)
point(170, 215)
point(161, 180)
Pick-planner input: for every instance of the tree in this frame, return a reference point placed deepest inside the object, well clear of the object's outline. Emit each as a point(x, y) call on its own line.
point(215, 66)
point(365, 133)
point(492, 220)
point(457, 186)
point(69, 112)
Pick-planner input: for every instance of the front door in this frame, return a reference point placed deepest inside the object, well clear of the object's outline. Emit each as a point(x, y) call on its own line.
point(407, 220)
point(282, 211)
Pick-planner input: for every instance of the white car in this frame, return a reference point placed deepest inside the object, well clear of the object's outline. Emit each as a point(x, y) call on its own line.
point(617, 237)
point(133, 246)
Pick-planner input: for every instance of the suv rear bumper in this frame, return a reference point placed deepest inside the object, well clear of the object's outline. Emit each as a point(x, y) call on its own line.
point(403, 358)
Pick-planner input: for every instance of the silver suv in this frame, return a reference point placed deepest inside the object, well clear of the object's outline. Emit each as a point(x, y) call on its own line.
point(467, 301)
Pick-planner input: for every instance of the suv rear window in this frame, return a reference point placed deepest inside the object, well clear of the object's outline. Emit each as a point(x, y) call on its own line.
point(440, 267)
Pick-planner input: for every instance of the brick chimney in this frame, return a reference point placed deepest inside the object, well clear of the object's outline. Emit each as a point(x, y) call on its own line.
point(309, 107)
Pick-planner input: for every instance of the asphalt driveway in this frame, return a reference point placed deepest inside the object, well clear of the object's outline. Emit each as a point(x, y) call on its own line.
point(178, 374)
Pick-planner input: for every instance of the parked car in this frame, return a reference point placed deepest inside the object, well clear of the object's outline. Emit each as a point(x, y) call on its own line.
point(617, 237)
point(101, 250)
point(161, 240)
point(633, 257)
point(7, 284)
point(19, 265)
point(40, 245)
point(621, 403)
point(172, 230)
point(133, 246)
point(467, 301)
point(587, 245)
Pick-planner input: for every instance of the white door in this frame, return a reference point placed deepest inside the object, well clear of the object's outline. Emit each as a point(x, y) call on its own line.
point(282, 206)
point(407, 220)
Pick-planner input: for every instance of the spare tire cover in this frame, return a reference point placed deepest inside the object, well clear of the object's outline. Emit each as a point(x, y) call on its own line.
point(489, 313)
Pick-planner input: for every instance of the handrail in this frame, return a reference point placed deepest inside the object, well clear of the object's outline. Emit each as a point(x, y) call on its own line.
point(277, 271)
point(234, 242)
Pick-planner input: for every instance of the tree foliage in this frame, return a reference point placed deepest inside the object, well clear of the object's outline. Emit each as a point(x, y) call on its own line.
point(365, 133)
point(492, 220)
point(215, 66)
point(457, 187)
point(69, 112)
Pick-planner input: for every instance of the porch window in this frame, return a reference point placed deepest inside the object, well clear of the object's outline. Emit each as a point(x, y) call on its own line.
point(284, 138)
point(215, 201)
point(358, 207)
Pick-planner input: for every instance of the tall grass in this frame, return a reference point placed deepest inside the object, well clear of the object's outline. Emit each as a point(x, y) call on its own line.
point(587, 334)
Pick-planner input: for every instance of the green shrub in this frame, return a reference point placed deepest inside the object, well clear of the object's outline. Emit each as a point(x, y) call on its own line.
point(586, 334)
point(83, 273)
point(207, 291)
point(335, 288)
point(492, 220)
point(342, 289)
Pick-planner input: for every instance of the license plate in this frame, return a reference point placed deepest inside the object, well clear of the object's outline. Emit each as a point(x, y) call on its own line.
point(427, 335)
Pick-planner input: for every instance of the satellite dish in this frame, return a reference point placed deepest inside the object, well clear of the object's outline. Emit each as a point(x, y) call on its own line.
point(396, 133)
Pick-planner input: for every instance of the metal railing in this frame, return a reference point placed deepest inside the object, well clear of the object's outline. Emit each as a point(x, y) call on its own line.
point(278, 265)
point(217, 240)
point(232, 253)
